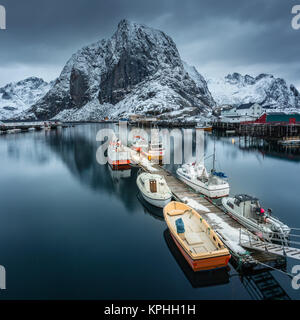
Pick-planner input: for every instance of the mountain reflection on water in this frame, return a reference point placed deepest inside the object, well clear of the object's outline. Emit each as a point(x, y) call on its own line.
point(78, 152)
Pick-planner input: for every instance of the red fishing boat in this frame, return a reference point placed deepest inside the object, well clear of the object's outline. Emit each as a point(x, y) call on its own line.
point(118, 156)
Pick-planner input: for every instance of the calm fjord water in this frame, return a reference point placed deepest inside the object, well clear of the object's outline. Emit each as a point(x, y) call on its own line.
point(73, 229)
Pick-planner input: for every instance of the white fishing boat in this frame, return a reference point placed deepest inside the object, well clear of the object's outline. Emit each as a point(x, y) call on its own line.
point(248, 211)
point(118, 156)
point(139, 143)
point(195, 175)
point(154, 189)
point(155, 151)
point(213, 185)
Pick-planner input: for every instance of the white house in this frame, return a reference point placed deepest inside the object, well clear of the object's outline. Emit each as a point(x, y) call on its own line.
point(243, 112)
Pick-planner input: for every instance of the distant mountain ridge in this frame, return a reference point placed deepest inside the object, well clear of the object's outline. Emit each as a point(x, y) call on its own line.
point(19, 96)
point(264, 89)
point(137, 70)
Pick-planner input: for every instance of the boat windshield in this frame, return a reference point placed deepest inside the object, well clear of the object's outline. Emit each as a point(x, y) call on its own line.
point(156, 146)
point(256, 203)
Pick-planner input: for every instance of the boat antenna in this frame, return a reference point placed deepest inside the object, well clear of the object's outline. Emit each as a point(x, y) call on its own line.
point(214, 155)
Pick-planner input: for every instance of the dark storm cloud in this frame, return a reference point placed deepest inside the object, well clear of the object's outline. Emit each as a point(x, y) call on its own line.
point(217, 36)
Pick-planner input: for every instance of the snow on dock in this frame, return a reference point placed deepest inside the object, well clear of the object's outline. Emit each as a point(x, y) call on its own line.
point(230, 235)
point(141, 161)
point(226, 227)
point(195, 205)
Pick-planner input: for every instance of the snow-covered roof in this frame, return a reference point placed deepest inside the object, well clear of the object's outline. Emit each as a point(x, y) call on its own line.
point(245, 106)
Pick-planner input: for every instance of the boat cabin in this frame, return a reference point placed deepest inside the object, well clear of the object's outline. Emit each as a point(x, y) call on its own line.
point(156, 146)
point(153, 185)
point(248, 207)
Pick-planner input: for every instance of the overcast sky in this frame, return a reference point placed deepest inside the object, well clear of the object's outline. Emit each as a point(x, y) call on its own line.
point(217, 36)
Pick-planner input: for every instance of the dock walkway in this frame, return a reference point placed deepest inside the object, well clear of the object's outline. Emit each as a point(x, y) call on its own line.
point(268, 131)
point(273, 248)
point(226, 227)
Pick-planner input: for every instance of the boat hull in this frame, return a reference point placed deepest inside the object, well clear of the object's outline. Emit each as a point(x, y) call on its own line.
point(159, 203)
point(118, 160)
point(203, 264)
point(119, 164)
point(219, 192)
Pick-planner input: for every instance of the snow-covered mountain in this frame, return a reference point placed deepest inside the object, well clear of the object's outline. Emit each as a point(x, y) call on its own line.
point(265, 89)
point(137, 70)
point(19, 96)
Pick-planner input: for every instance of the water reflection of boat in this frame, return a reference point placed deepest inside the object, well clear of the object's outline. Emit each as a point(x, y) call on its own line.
point(119, 178)
point(155, 212)
point(117, 175)
point(197, 279)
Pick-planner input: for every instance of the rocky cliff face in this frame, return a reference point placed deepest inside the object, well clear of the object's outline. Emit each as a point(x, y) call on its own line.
point(137, 70)
point(265, 89)
point(19, 96)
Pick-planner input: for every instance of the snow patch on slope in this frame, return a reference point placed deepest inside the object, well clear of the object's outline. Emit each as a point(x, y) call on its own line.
point(17, 97)
point(264, 89)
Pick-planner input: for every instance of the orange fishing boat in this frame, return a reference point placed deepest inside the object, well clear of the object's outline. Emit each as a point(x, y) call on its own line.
point(194, 237)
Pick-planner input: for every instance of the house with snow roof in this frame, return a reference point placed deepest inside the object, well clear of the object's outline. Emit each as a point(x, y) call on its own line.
point(241, 113)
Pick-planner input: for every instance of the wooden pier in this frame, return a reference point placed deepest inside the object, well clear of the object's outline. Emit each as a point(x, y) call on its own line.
point(268, 131)
point(23, 127)
point(182, 192)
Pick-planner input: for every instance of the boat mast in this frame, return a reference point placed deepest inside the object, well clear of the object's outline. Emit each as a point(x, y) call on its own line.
point(214, 156)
